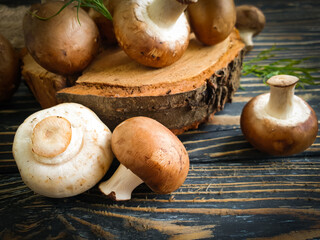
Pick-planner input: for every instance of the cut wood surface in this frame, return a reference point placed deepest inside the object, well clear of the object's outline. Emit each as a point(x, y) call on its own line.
point(114, 74)
point(232, 190)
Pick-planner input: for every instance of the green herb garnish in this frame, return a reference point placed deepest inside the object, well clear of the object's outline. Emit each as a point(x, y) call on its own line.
point(95, 4)
point(282, 66)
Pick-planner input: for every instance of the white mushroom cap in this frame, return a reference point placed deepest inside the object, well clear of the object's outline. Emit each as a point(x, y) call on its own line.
point(62, 151)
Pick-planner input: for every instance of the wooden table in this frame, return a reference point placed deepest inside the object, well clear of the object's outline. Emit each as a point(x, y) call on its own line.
point(232, 191)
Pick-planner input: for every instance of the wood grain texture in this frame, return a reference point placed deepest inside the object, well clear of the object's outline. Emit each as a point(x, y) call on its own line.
point(232, 191)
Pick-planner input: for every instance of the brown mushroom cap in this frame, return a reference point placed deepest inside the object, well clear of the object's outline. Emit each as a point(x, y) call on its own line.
point(273, 128)
point(152, 152)
point(187, 1)
point(105, 25)
point(145, 41)
point(61, 45)
point(9, 70)
point(250, 18)
point(212, 20)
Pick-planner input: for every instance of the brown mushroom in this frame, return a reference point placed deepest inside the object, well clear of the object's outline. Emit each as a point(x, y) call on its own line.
point(9, 70)
point(61, 44)
point(148, 152)
point(250, 22)
point(153, 33)
point(279, 123)
point(104, 24)
point(212, 20)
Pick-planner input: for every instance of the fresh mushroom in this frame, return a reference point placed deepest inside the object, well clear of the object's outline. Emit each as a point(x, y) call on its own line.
point(104, 24)
point(9, 70)
point(212, 20)
point(279, 123)
point(148, 152)
point(62, 151)
point(64, 44)
point(154, 33)
point(250, 22)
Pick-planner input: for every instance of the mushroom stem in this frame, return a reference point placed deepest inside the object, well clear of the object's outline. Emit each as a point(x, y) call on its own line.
point(165, 12)
point(120, 186)
point(246, 36)
point(51, 136)
point(280, 104)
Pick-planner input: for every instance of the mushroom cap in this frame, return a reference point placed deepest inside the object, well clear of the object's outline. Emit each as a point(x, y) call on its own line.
point(152, 152)
point(9, 70)
point(146, 42)
point(61, 44)
point(212, 21)
point(250, 18)
point(105, 25)
point(187, 1)
point(84, 162)
point(279, 136)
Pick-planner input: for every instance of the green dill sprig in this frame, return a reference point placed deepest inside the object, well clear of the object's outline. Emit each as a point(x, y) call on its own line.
point(282, 66)
point(95, 4)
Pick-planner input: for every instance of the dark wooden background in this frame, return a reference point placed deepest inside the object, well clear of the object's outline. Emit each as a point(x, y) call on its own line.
point(232, 191)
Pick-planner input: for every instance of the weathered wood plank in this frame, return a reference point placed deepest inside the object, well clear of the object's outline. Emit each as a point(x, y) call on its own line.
point(232, 191)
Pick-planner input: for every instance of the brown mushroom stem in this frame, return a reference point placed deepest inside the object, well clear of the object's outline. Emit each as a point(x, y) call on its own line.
point(280, 103)
point(165, 12)
point(120, 186)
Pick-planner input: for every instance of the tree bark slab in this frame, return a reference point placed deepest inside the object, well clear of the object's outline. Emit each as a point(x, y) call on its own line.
point(180, 96)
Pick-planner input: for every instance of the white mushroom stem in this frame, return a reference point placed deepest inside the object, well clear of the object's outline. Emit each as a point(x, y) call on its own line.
point(120, 186)
point(55, 140)
point(51, 136)
point(280, 104)
point(246, 36)
point(165, 12)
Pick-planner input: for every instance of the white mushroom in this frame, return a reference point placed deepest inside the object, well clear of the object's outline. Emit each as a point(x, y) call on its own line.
point(62, 151)
point(154, 33)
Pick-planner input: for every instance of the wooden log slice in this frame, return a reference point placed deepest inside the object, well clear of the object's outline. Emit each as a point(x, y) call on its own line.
point(180, 96)
point(43, 84)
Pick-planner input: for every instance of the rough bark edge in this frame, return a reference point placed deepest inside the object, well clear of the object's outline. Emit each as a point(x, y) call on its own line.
point(222, 85)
